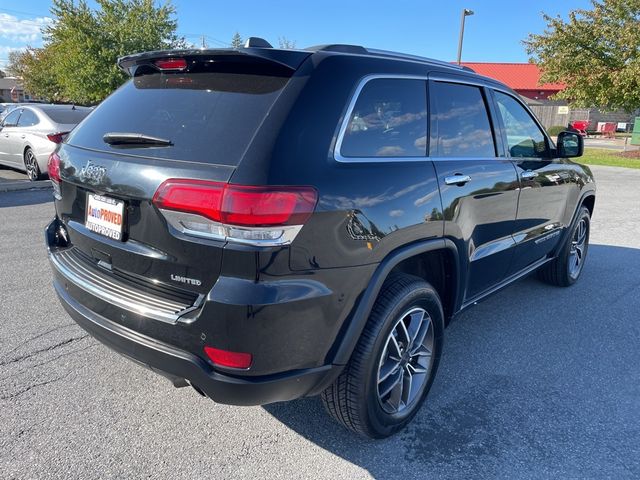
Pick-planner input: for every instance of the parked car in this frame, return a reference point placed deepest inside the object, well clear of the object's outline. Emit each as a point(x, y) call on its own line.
point(6, 108)
point(29, 133)
point(266, 224)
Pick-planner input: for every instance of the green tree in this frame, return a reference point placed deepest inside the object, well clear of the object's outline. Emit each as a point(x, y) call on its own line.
point(82, 45)
point(284, 42)
point(34, 66)
point(15, 65)
point(236, 41)
point(596, 53)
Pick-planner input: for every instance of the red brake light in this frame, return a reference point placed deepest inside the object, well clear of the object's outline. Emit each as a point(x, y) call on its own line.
point(53, 166)
point(236, 204)
point(226, 358)
point(56, 137)
point(171, 64)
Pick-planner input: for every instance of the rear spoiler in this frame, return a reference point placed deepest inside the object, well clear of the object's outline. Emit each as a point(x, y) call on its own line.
point(290, 59)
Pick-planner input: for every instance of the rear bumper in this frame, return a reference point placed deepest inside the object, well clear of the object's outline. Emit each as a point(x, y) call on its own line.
point(178, 364)
point(145, 339)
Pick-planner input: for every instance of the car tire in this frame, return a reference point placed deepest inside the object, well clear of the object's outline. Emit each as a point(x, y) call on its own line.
point(31, 165)
point(566, 268)
point(407, 306)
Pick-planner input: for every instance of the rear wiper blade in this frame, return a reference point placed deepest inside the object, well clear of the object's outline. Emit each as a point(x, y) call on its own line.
point(133, 139)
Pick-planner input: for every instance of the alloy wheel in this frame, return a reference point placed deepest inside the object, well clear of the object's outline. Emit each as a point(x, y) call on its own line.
point(578, 248)
point(31, 165)
point(406, 361)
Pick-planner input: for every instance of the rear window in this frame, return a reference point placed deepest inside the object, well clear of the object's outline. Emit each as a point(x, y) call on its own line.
point(69, 116)
point(209, 116)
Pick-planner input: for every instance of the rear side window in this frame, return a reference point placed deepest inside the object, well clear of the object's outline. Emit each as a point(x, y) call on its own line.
point(524, 137)
point(11, 120)
point(389, 119)
point(460, 122)
point(210, 115)
point(68, 116)
point(28, 119)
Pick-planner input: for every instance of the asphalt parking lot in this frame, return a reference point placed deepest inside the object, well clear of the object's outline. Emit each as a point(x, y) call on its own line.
point(536, 382)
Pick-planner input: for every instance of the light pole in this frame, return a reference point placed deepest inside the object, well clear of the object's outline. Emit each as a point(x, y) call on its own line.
point(465, 13)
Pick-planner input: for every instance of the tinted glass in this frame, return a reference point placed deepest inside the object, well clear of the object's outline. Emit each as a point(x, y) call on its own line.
point(389, 119)
point(524, 137)
point(66, 115)
point(209, 116)
point(460, 122)
point(28, 119)
point(11, 120)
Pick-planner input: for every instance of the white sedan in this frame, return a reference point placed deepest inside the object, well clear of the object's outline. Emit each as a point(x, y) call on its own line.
point(30, 133)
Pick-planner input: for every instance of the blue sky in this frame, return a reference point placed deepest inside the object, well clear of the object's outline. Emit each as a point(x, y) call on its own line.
point(426, 27)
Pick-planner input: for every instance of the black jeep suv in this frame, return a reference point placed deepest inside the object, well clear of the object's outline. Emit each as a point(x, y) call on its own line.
point(266, 224)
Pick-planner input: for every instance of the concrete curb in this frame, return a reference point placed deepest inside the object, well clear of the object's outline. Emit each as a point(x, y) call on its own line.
point(24, 185)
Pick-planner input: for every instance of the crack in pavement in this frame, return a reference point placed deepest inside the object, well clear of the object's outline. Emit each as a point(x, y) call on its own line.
point(40, 335)
point(42, 350)
point(77, 350)
point(25, 390)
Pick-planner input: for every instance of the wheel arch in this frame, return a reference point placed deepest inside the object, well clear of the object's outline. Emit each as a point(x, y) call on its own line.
point(27, 146)
point(587, 199)
point(403, 259)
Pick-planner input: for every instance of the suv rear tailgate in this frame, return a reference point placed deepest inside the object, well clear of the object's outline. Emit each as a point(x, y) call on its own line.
point(148, 248)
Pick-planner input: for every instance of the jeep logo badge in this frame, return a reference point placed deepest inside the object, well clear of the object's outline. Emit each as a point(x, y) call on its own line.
point(92, 173)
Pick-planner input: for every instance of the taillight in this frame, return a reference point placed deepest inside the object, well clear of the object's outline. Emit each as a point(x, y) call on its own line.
point(250, 214)
point(171, 64)
point(226, 358)
point(56, 137)
point(53, 167)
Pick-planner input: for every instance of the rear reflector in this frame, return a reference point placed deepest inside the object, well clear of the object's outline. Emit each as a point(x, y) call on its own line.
point(171, 64)
point(249, 214)
point(226, 358)
point(53, 166)
point(56, 137)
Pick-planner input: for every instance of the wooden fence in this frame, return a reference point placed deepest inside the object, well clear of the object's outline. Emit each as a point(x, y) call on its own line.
point(551, 115)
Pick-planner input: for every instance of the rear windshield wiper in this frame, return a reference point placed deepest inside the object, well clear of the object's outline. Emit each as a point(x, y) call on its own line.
point(135, 139)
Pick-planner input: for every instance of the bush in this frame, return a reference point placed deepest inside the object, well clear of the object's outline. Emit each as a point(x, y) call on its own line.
point(555, 130)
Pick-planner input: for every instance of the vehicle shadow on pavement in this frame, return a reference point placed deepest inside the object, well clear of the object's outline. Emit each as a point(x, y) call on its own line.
point(23, 198)
point(537, 381)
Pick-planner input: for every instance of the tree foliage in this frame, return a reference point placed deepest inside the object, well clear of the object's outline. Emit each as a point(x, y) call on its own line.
point(236, 41)
point(284, 42)
point(596, 53)
point(82, 45)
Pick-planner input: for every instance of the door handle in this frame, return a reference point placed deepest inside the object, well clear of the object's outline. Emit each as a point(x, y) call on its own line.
point(457, 179)
point(23, 136)
point(528, 175)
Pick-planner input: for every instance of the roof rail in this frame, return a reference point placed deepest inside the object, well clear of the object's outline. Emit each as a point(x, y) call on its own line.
point(339, 47)
point(406, 56)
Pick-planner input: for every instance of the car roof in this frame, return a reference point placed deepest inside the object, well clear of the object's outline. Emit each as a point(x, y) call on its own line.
point(292, 58)
point(46, 107)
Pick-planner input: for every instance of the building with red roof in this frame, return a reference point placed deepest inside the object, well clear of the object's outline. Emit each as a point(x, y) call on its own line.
point(524, 78)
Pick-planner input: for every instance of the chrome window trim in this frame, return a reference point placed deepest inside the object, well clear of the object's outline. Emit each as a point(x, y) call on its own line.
point(551, 145)
point(337, 155)
point(448, 78)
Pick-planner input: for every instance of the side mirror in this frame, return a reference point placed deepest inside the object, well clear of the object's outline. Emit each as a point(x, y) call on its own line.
point(570, 144)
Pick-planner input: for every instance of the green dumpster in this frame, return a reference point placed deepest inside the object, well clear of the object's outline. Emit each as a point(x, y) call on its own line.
point(635, 136)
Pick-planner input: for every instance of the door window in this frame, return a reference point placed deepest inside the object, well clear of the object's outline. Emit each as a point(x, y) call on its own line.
point(460, 123)
point(389, 119)
point(524, 137)
point(28, 119)
point(11, 120)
